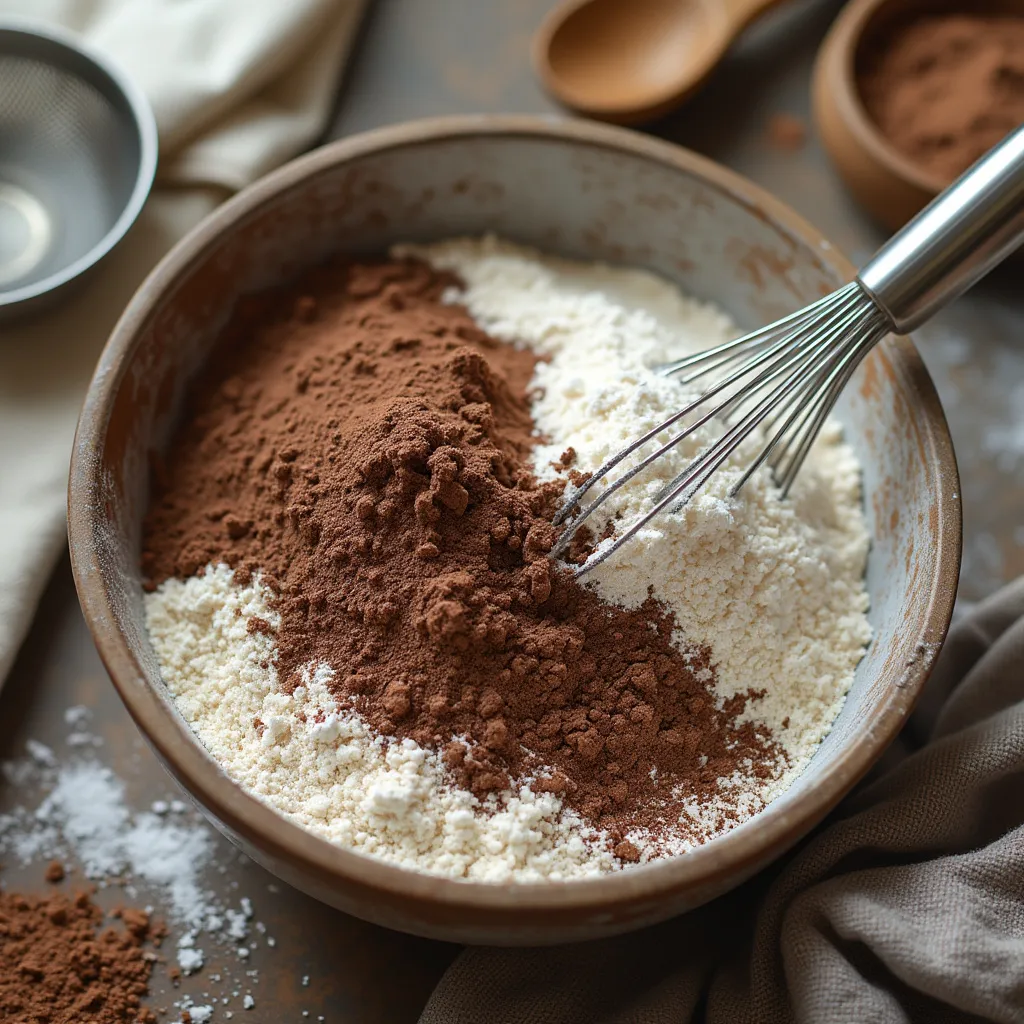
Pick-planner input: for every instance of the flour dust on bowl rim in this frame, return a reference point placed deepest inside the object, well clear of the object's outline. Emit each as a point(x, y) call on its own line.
point(584, 191)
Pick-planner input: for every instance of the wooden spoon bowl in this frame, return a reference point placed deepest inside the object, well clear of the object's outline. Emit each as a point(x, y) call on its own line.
point(630, 61)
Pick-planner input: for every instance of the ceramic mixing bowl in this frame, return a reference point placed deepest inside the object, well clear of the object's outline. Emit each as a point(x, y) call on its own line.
point(589, 192)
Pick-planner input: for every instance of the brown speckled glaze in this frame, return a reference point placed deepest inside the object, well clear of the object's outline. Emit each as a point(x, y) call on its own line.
point(589, 192)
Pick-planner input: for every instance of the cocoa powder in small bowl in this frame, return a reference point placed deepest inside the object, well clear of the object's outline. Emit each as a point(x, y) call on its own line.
point(944, 87)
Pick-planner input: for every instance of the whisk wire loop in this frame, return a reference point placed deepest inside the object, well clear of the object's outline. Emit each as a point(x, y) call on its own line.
point(786, 352)
point(783, 378)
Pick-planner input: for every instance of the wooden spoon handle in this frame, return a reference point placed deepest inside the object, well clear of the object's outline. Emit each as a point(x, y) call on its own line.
point(742, 12)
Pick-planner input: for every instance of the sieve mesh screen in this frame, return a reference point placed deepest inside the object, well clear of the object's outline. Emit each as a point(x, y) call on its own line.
point(68, 160)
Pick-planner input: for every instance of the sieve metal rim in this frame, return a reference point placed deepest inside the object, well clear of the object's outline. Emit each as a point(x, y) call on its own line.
point(95, 67)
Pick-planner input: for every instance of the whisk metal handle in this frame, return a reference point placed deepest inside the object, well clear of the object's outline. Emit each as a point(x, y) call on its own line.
point(951, 244)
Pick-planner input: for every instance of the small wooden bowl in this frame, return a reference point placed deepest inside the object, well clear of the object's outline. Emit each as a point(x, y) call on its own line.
point(889, 185)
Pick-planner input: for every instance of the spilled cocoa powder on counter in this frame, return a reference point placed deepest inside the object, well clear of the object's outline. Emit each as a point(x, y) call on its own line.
point(786, 132)
point(366, 448)
point(56, 967)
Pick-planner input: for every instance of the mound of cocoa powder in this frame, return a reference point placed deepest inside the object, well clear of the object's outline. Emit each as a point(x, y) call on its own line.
point(57, 967)
point(367, 448)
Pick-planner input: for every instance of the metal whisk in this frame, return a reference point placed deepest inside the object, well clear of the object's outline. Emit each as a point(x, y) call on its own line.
point(785, 378)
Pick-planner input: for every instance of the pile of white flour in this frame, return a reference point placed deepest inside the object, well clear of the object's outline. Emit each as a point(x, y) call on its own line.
point(324, 768)
point(774, 588)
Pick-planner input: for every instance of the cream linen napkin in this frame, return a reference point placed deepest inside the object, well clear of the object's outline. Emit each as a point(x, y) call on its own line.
point(238, 86)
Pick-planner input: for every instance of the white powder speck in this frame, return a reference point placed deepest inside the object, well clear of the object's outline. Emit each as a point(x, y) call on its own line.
point(41, 753)
point(200, 1014)
point(190, 959)
point(248, 1002)
point(77, 716)
point(237, 926)
point(83, 739)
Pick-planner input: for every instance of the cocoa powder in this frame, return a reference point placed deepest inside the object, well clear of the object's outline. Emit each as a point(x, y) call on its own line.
point(786, 132)
point(366, 447)
point(57, 967)
point(945, 88)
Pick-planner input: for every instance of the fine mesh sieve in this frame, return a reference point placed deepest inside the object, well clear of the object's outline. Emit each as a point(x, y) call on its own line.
point(77, 158)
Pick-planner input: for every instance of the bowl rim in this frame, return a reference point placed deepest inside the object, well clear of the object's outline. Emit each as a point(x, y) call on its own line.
point(278, 838)
point(843, 41)
point(144, 122)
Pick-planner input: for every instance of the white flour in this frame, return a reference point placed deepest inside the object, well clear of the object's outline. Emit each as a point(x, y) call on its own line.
point(324, 769)
point(774, 589)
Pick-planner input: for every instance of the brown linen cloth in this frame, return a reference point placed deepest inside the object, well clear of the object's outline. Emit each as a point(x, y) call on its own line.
point(906, 905)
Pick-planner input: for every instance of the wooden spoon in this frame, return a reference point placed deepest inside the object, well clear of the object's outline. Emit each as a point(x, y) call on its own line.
point(629, 61)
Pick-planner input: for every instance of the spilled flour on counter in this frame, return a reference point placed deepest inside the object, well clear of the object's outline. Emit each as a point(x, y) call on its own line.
point(84, 819)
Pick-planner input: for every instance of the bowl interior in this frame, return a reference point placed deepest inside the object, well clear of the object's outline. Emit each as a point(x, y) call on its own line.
point(584, 192)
